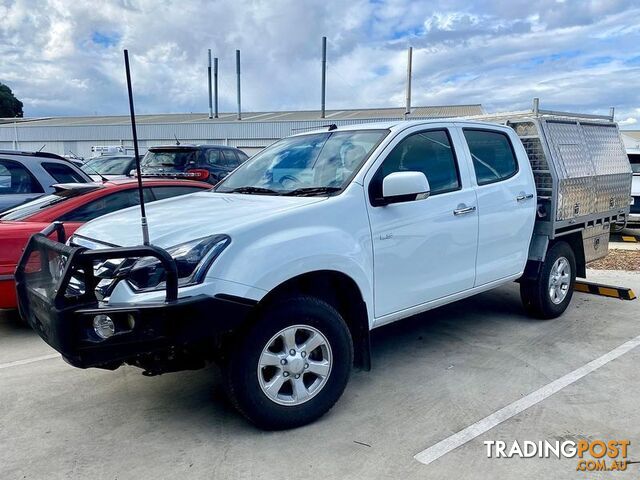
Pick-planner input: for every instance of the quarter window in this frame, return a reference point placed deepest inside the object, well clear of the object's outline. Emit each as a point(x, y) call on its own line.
point(428, 152)
point(63, 173)
point(492, 154)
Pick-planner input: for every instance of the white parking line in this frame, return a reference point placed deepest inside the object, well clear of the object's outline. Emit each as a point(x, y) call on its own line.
point(17, 363)
point(463, 436)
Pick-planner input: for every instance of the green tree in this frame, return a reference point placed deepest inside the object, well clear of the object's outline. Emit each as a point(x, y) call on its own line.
point(10, 106)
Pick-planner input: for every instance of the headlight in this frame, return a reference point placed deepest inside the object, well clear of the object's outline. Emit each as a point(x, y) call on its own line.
point(192, 259)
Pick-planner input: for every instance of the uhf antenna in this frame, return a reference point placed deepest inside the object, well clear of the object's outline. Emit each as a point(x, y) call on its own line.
point(143, 215)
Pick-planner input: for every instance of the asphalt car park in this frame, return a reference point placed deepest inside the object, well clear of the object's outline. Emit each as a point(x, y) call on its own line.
point(433, 375)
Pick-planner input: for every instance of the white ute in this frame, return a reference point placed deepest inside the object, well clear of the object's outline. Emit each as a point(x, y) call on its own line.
point(280, 273)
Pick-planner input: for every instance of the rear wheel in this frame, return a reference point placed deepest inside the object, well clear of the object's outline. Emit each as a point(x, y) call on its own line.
point(550, 294)
point(292, 366)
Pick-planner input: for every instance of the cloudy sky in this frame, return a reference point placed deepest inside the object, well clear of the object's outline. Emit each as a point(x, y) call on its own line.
point(64, 57)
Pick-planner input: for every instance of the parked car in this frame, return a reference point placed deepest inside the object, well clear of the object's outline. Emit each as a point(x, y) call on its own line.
point(110, 167)
point(27, 175)
point(634, 215)
point(73, 204)
point(280, 273)
point(209, 163)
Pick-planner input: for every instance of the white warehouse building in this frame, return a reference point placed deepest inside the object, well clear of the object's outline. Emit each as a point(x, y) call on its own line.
point(76, 135)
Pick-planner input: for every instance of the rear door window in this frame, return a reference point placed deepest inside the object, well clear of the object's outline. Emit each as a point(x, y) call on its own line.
point(161, 193)
point(63, 173)
point(214, 158)
point(104, 205)
point(230, 157)
point(16, 179)
point(634, 159)
point(492, 154)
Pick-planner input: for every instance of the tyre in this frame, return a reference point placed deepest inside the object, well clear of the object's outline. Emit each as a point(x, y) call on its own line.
point(292, 366)
point(550, 294)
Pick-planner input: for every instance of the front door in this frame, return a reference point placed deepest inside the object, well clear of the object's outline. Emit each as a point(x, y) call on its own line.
point(423, 249)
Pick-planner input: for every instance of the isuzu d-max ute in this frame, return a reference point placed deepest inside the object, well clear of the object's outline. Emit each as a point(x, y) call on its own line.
point(280, 272)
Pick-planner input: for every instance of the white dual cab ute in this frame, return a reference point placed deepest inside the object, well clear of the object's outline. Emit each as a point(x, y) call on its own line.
point(281, 271)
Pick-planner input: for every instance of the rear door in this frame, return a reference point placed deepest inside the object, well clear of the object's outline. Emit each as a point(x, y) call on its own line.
point(423, 249)
point(506, 202)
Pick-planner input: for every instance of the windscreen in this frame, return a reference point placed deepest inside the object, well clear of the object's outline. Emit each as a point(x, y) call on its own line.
point(314, 163)
point(25, 210)
point(108, 166)
point(168, 158)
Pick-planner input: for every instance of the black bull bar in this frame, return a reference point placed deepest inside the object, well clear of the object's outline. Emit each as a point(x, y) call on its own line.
point(56, 288)
point(45, 300)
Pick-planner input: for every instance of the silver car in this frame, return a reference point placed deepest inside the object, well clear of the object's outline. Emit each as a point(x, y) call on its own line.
point(27, 175)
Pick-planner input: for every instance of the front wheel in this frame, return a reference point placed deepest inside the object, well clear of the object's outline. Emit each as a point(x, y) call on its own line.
point(293, 364)
point(549, 295)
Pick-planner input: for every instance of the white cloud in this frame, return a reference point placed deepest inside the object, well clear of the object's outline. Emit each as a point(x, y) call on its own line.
point(63, 57)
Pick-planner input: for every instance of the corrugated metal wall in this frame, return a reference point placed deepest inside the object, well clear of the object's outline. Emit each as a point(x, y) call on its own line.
point(79, 138)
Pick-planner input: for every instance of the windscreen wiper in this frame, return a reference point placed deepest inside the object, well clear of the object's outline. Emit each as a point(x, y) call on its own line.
point(249, 189)
point(309, 191)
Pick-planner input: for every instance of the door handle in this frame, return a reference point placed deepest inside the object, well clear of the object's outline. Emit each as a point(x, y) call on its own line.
point(523, 197)
point(463, 210)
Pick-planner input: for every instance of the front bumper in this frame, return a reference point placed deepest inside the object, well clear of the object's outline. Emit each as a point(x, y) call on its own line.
point(63, 317)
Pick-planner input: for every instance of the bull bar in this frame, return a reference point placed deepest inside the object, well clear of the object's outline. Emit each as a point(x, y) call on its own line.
point(63, 315)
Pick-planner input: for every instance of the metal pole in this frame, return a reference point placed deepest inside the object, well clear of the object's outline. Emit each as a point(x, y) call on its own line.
point(238, 82)
point(143, 215)
point(15, 135)
point(536, 106)
point(209, 75)
point(409, 62)
point(612, 113)
point(215, 85)
point(324, 77)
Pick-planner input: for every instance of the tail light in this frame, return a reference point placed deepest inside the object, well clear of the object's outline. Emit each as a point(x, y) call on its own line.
point(198, 173)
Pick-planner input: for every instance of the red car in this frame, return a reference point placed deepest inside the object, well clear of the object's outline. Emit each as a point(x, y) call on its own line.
point(73, 204)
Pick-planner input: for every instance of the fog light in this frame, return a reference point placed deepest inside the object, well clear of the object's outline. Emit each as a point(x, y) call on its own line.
point(103, 326)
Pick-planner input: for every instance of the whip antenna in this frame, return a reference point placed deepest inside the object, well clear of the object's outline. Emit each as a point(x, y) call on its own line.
point(143, 215)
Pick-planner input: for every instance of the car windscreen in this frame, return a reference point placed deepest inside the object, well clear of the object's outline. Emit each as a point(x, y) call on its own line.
point(108, 166)
point(25, 210)
point(173, 158)
point(318, 163)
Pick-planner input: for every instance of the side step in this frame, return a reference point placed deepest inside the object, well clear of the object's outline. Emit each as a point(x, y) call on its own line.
point(604, 290)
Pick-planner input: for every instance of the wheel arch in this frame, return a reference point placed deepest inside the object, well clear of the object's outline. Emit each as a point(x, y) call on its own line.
point(574, 240)
point(340, 291)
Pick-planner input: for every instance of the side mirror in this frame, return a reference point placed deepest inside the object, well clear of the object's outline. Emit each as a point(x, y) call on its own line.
point(404, 187)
